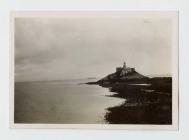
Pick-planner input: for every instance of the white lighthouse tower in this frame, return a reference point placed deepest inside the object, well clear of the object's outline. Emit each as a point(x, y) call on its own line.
point(124, 66)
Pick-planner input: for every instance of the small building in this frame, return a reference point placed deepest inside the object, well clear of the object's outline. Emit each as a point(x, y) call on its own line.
point(119, 69)
point(124, 70)
point(130, 69)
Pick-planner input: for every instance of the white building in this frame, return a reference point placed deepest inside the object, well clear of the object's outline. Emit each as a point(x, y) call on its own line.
point(124, 70)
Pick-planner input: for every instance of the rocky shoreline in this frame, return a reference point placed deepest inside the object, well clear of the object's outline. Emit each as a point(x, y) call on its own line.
point(147, 101)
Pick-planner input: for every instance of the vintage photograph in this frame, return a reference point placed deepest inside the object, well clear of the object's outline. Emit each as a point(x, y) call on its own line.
point(102, 68)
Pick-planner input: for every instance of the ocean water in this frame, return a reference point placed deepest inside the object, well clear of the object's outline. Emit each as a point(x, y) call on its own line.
point(62, 102)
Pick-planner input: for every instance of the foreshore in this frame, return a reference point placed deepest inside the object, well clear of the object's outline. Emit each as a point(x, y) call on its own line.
point(147, 101)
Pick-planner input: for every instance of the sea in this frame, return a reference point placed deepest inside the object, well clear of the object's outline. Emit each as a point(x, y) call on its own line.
point(62, 102)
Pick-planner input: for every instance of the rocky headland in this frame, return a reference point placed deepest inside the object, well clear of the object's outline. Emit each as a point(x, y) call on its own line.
point(147, 100)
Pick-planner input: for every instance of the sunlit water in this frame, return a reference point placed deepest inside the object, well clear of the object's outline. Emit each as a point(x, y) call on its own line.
point(62, 102)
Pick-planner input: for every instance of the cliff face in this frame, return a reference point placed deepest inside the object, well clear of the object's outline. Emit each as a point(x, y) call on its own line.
point(122, 75)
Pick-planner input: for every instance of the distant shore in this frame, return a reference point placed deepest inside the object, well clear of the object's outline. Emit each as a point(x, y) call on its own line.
point(147, 101)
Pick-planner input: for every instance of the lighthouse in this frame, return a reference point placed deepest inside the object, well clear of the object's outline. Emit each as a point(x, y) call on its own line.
point(124, 66)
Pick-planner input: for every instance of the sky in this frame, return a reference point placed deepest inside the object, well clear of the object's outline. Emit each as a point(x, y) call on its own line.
point(73, 48)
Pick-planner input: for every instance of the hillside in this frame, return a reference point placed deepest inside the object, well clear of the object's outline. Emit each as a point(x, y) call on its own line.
point(118, 77)
point(122, 74)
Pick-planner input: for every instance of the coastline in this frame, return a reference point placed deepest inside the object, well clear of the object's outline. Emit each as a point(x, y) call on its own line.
point(147, 101)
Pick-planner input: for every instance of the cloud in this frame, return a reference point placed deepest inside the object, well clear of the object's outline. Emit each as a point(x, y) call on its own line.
point(63, 48)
